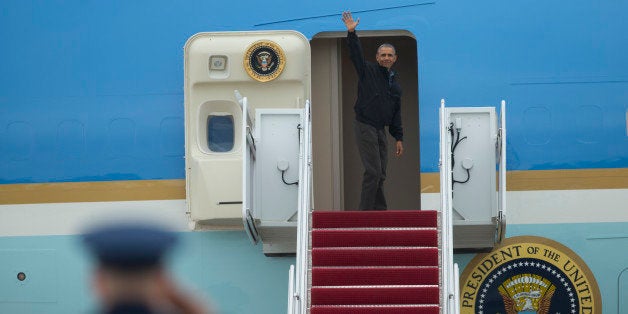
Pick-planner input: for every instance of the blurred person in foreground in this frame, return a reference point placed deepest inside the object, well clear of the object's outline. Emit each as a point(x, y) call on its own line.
point(130, 277)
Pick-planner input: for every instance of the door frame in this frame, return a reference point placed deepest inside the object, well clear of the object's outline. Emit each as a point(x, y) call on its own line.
point(333, 41)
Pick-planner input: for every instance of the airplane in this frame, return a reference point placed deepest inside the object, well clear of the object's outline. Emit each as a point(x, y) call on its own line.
point(97, 118)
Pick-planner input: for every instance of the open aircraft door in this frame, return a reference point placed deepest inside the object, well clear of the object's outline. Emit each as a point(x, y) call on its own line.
point(245, 94)
point(473, 146)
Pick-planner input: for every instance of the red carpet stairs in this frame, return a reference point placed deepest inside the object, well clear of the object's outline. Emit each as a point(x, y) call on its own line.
point(374, 262)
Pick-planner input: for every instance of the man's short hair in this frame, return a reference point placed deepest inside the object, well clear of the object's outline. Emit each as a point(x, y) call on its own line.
point(387, 45)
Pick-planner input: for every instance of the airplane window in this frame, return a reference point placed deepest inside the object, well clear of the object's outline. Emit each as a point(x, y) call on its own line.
point(220, 133)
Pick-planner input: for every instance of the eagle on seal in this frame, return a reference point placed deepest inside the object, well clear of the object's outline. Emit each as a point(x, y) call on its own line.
point(264, 60)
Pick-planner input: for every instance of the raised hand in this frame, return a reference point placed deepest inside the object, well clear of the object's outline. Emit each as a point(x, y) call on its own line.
point(349, 22)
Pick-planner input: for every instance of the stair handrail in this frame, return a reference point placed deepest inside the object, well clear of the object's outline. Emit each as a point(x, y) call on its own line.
point(291, 290)
point(299, 297)
point(248, 166)
point(456, 296)
point(501, 215)
point(449, 294)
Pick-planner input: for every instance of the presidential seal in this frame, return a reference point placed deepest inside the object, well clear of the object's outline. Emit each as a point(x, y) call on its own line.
point(529, 274)
point(264, 60)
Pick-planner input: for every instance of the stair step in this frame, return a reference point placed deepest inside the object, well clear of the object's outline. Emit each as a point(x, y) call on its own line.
point(370, 219)
point(375, 295)
point(375, 256)
point(362, 276)
point(374, 237)
point(374, 262)
point(375, 309)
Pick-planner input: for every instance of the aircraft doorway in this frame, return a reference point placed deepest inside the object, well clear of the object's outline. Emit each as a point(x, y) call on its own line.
point(337, 165)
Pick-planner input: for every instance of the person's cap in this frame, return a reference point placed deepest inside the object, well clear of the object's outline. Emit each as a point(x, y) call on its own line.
point(128, 246)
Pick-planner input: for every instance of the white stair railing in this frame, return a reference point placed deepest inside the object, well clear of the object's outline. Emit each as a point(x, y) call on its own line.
point(248, 172)
point(298, 302)
point(448, 270)
point(291, 290)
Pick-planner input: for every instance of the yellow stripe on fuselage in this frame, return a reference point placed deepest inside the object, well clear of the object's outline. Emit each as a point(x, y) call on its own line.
point(141, 190)
point(539, 180)
point(104, 191)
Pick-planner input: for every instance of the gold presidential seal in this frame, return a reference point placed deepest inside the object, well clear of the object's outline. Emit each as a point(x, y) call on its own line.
point(264, 60)
point(529, 274)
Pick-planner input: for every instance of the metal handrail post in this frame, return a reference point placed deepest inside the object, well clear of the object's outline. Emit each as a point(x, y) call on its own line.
point(449, 296)
point(305, 162)
point(291, 290)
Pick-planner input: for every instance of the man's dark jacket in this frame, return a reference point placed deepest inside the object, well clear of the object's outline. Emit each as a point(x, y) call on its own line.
point(379, 102)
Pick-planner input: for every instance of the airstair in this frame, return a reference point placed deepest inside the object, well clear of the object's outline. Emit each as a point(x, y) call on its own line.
point(393, 261)
point(400, 261)
point(374, 262)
